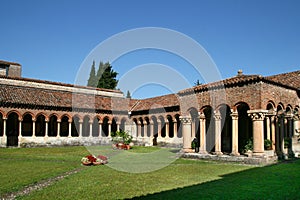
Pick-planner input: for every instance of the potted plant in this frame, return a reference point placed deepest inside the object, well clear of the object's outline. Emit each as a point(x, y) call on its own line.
point(267, 144)
point(248, 148)
point(121, 139)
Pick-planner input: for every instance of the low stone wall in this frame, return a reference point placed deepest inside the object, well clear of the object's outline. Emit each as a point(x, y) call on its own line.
point(266, 160)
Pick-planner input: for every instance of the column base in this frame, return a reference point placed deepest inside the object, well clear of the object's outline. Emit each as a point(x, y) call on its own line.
point(258, 154)
point(203, 152)
point(188, 150)
point(218, 153)
point(234, 153)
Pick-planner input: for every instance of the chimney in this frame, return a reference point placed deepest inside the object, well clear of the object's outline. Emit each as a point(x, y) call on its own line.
point(10, 69)
point(240, 72)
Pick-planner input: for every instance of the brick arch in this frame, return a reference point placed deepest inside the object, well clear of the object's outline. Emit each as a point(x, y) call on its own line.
point(3, 114)
point(44, 114)
point(66, 115)
point(86, 125)
point(240, 103)
point(14, 111)
point(289, 109)
point(270, 106)
point(280, 108)
point(29, 113)
point(27, 124)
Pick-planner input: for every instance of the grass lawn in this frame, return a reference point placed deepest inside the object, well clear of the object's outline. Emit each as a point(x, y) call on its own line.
point(182, 179)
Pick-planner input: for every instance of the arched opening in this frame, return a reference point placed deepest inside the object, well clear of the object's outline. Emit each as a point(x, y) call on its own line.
point(162, 126)
point(40, 126)
point(95, 127)
point(179, 128)
point(52, 126)
point(105, 127)
point(114, 126)
point(12, 129)
point(75, 126)
point(1, 124)
point(141, 124)
point(210, 129)
point(195, 125)
point(226, 134)
point(148, 133)
point(280, 133)
point(155, 130)
point(123, 123)
point(171, 126)
point(27, 125)
point(244, 126)
point(86, 126)
point(64, 126)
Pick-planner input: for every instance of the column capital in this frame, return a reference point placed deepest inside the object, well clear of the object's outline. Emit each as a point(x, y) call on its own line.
point(217, 116)
point(257, 115)
point(234, 115)
point(201, 116)
point(185, 119)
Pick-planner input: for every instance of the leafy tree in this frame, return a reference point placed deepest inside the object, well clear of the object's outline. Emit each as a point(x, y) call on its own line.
point(92, 79)
point(197, 82)
point(106, 76)
point(128, 95)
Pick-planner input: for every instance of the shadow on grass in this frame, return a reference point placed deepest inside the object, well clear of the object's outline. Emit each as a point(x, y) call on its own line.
point(278, 181)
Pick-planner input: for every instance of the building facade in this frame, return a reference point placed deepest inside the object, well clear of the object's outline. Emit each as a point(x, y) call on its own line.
point(223, 116)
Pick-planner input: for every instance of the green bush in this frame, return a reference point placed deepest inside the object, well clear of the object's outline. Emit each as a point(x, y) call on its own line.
point(121, 136)
point(267, 144)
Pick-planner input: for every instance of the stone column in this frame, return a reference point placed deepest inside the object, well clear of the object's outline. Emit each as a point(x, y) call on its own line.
point(139, 129)
point(202, 134)
point(4, 138)
point(218, 131)
point(273, 121)
point(167, 126)
point(109, 128)
point(175, 129)
point(145, 129)
point(33, 128)
point(151, 129)
point(235, 134)
point(46, 127)
point(268, 119)
point(4, 127)
point(91, 128)
point(193, 128)
point(70, 128)
point(282, 129)
point(277, 135)
point(159, 129)
point(100, 129)
point(186, 132)
point(20, 132)
point(58, 128)
point(80, 127)
point(257, 117)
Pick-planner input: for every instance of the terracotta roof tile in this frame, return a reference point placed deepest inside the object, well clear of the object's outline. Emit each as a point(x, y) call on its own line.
point(291, 79)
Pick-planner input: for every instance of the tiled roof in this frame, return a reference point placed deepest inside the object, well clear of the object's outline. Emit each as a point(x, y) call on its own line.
point(223, 83)
point(291, 79)
point(26, 96)
point(165, 101)
point(58, 84)
point(2, 62)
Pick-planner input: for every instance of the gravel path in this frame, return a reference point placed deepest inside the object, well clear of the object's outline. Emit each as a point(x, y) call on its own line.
point(39, 185)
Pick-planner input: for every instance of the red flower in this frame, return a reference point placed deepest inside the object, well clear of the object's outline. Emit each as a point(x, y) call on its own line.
point(91, 158)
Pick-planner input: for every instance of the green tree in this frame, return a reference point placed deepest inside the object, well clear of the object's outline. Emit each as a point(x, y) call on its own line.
point(197, 83)
point(128, 95)
point(106, 76)
point(92, 79)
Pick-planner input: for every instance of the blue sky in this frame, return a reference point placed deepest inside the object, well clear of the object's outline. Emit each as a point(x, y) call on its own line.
point(51, 39)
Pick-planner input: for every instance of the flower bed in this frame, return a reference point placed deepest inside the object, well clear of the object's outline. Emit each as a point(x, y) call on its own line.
point(94, 160)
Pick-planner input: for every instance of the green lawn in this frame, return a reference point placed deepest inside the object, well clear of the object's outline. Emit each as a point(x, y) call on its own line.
point(182, 179)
